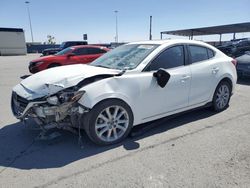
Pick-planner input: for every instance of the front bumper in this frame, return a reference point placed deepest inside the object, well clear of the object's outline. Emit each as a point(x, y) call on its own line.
point(22, 109)
point(33, 68)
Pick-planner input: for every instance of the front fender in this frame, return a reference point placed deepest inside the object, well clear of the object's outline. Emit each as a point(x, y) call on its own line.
point(90, 101)
point(121, 87)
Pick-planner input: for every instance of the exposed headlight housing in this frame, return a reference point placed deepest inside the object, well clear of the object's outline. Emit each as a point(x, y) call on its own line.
point(65, 97)
point(70, 96)
point(53, 100)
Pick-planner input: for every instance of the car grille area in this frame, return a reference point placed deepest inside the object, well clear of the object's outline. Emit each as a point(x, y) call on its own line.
point(18, 104)
point(33, 68)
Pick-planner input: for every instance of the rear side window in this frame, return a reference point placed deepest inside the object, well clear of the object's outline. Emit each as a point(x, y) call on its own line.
point(95, 51)
point(170, 58)
point(210, 53)
point(199, 53)
point(80, 51)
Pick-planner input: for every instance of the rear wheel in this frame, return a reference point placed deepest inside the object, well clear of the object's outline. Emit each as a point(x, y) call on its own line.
point(109, 122)
point(222, 96)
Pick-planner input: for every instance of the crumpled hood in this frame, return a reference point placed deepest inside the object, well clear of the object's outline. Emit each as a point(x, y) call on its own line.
point(50, 81)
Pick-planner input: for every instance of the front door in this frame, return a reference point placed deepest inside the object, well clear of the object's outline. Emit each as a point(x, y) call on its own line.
point(156, 101)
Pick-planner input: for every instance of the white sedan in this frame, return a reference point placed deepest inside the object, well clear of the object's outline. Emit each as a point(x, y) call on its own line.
point(132, 84)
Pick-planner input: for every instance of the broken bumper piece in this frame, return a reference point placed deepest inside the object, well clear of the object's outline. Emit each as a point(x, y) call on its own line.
point(44, 111)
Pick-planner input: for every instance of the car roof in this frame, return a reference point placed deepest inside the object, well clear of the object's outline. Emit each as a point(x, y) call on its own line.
point(177, 41)
point(160, 42)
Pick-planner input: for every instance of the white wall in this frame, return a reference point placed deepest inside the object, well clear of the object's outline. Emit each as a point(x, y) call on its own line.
point(12, 43)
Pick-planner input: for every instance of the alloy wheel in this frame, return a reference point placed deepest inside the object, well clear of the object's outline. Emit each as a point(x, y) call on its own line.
point(222, 96)
point(112, 123)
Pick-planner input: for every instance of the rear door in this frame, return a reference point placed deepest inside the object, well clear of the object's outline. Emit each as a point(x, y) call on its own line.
point(204, 69)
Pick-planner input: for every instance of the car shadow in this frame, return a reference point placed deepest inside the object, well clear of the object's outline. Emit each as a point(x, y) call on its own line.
point(244, 81)
point(19, 148)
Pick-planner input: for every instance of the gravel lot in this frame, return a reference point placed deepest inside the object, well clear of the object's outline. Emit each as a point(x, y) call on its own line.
point(197, 149)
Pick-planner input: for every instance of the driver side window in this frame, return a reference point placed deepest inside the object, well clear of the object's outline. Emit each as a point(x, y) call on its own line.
point(170, 58)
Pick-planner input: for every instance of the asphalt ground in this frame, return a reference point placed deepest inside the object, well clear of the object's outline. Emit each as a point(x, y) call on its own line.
point(197, 149)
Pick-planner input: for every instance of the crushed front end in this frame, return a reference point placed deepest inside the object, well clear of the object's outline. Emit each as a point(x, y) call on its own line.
point(60, 110)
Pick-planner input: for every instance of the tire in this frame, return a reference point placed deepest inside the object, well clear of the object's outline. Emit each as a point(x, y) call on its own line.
point(222, 96)
point(53, 65)
point(102, 122)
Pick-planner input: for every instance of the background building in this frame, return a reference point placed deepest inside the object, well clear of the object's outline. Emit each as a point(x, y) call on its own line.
point(12, 41)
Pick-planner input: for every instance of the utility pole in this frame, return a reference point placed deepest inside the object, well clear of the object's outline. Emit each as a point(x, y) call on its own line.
point(116, 26)
point(150, 29)
point(27, 3)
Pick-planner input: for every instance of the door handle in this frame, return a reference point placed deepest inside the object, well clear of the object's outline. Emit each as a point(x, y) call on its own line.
point(185, 78)
point(215, 70)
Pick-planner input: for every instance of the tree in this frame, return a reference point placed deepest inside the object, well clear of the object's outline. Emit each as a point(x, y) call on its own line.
point(50, 39)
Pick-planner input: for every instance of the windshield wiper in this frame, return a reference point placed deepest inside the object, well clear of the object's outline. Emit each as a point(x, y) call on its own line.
point(122, 72)
point(102, 66)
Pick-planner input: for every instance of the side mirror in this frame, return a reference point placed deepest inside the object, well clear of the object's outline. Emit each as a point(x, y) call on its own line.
point(70, 55)
point(162, 77)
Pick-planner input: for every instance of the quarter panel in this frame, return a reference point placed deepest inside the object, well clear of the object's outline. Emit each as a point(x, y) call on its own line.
point(203, 80)
point(228, 70)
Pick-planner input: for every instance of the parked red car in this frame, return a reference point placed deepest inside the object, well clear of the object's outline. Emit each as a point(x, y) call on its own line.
point(71, 55)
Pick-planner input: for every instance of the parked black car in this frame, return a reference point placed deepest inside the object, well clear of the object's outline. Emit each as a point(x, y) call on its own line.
point(235, 48)
point(243, 65)
point(51, 51)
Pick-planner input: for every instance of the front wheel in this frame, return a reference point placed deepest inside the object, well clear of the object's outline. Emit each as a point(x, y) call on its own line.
point(222, 96)
point(109, 122)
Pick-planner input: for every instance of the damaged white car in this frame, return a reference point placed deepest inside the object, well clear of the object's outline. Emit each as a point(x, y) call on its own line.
point(132, 84)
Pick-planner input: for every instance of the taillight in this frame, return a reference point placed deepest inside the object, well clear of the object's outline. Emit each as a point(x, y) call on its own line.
point(234, 61)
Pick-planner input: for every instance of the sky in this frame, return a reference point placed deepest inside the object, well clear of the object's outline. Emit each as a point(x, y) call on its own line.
point(70, 19)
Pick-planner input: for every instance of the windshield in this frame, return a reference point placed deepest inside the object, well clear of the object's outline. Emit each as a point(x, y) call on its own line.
point(124, 57)
point(65, 51)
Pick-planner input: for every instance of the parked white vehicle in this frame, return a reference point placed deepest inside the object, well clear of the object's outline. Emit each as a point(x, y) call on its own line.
point(132, 84)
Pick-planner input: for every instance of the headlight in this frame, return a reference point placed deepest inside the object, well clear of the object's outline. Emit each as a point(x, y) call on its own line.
point(53, 100)
point(70, 96)
point(65, 97)
point(36, 63)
